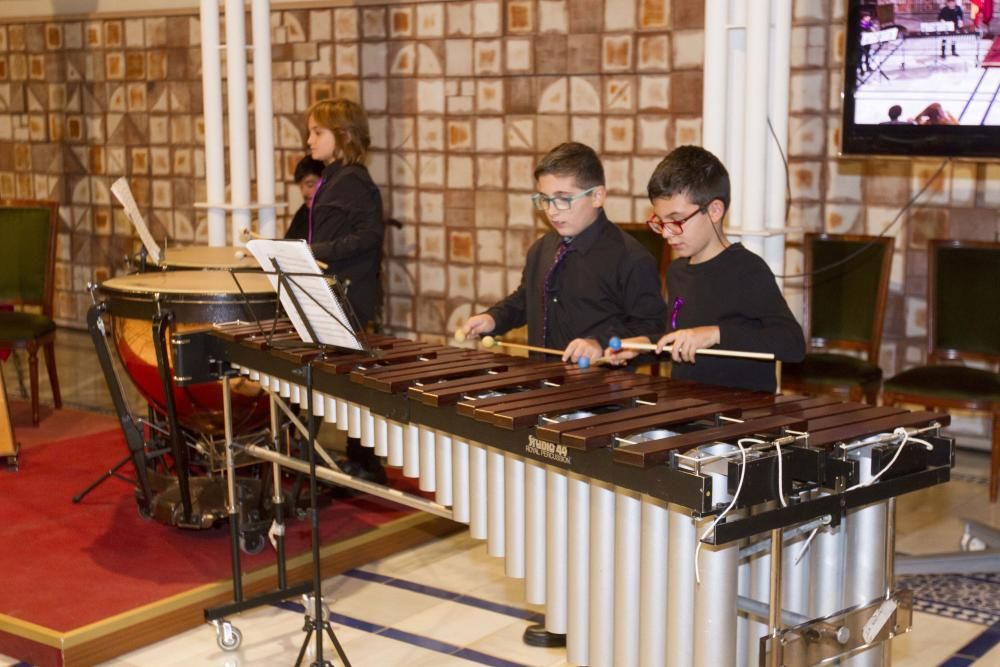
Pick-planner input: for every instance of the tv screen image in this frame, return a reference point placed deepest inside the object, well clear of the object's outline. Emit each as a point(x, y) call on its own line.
point(922, 77)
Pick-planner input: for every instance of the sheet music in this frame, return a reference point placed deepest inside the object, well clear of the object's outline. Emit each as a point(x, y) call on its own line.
point(313, 292)
point(124, 194)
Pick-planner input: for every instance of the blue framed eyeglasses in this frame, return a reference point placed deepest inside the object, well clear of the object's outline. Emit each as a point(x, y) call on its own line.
point(562, 202)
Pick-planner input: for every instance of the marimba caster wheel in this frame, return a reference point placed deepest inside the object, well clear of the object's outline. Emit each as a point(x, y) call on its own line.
point(227, 636)
point(537, 635)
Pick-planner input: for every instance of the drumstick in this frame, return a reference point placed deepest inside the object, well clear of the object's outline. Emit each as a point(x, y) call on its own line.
point(619, 344)
point(250, 234)
point(490, 341)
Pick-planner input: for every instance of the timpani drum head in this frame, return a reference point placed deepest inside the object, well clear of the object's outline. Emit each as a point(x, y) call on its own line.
point(192, 296)
point(207, 257)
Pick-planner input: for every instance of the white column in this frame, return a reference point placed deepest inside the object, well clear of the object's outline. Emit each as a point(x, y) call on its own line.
point(211, 88)
point(714, 99)
point(755, 132)
point(779, 73)
point(238, 114)
point(263, 114)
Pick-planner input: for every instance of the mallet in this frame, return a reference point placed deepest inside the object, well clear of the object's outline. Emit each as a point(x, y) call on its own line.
point(490, 341)
point(617, 344)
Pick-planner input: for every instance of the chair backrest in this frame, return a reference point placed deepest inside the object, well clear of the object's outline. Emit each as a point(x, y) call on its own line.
point(27, 253)
point(654, 243)
point(963, 310)
point(848, 285)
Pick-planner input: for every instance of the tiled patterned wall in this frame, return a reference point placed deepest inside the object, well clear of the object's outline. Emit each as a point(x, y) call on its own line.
point(463, 97)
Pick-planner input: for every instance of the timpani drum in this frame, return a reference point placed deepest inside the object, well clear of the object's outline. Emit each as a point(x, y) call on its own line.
point(206, 257)
point(194, 299)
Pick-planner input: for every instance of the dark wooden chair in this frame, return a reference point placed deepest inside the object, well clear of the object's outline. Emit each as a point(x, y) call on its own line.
point(659, 249)
point(963, 324)
point(27, 280)
point(848, 285)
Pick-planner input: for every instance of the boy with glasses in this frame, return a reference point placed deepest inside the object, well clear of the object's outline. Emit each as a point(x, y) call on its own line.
point(719, 293)
point(584, 281)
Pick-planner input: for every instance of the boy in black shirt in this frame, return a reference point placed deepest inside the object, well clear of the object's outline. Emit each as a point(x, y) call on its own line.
point(308, 173)
point(719, 293)
point(584, 281)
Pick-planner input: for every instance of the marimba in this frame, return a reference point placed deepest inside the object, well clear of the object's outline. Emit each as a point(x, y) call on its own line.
point(658, 521)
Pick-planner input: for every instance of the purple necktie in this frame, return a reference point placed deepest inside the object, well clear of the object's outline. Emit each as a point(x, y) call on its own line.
point(678, 302)
point(561, 252)
point(309, 237)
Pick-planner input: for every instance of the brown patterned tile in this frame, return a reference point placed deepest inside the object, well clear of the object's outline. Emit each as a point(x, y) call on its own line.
point(585, 16)
point(488, 57)
point(459, 135)
point(926, 224)
point(400, 22)
point(53, 36)
point(520, 16)
point(4, 72)
point(490, 171)
point(654, 13)
point(36, 68)
point(521, 94)
point(490, 210)
point(18, 67)
point(616, 53)
point(552, 130)
point(429, 21)
point(687, 13)
point(373, 23)
point(583, 53)
point(653, 53)
point(114, 34)
point(461, 247)
point(94, 32)
point(178, 31)
point(459, 19)
point(15, 37)
point(551, 54)
point(685, 92)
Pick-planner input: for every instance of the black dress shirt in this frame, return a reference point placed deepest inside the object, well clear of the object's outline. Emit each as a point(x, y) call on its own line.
point(299, 229)
point(607, 285)
point(736, 291)
point(347, 233)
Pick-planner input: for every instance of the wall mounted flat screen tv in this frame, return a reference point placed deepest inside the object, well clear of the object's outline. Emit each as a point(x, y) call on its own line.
point(922, 77)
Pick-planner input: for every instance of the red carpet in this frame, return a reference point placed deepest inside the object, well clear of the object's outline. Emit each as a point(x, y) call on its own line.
point(66, 566)
point(992, 58)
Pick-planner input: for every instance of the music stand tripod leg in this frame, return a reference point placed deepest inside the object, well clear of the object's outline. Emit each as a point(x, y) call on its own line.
point(316, 620)
point(108, 474)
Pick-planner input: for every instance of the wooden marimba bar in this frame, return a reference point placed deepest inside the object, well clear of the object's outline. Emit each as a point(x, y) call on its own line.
point(596, 486)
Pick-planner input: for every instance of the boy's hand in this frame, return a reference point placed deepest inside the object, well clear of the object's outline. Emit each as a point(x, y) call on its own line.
point(622, 356)
point(478, 325)
point(684, 342)
point(582, 347)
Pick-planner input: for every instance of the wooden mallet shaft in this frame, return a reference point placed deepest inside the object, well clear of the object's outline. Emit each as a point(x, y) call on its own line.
point(490, 341)
point(618, 344)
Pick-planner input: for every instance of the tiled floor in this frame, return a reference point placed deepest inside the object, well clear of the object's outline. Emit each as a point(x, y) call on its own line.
point(448, 603)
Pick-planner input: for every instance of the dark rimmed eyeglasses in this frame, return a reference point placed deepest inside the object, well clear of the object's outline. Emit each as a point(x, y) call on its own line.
point(561, 202)
point(673, 227)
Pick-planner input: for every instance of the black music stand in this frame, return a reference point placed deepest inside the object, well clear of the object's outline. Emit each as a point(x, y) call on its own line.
point(321, 315)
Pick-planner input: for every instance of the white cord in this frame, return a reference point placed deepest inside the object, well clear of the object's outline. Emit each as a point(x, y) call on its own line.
point(736, 496)
point(899, 432)
point(805, 545)
point(781, 477)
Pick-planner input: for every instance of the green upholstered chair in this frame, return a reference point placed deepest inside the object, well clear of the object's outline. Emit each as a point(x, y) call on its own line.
point(27, 281)
point(848, 284)
point(963, 324)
